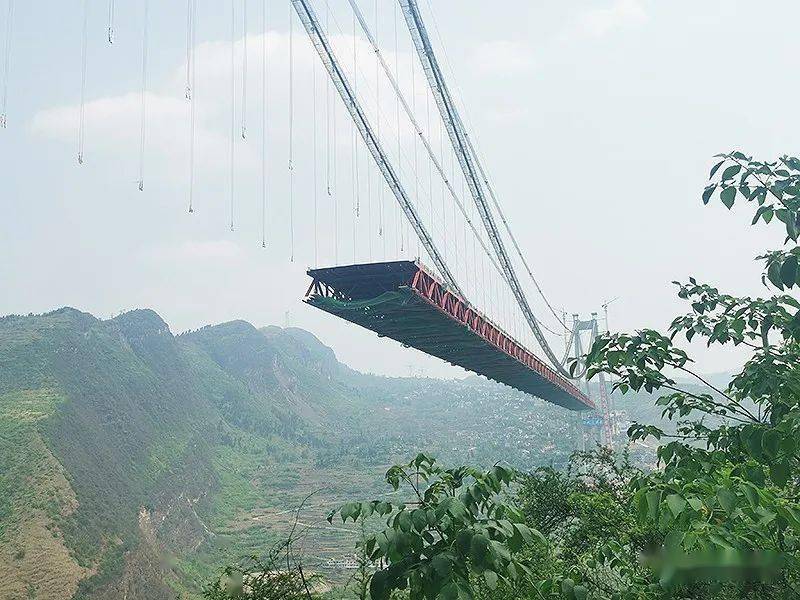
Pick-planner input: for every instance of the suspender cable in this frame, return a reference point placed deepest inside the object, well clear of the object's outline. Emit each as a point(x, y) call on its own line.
point(410, 111)
point(110, 29)
point(232, 149)
point(466, 158)
point(188, 89)
point(244, 69)
point(323, 48)
point(379, 189)
point(354, 150)
point(355, 139)
point(331, 158)
point(335, 191)
point(144, 95)
point(314, 159)
point(191, 96)
point(7, 64)
point(327, 113)
point(82, 109)
point(291, 133)
point(264, 73)
point(416, 138)
point(441, 186)
point(397, 117)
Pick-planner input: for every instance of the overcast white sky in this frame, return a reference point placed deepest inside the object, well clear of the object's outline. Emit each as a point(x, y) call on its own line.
point(598, 120)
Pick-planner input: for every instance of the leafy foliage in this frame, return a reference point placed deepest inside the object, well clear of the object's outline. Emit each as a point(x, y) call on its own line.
point(718, 518)
point(729, 481)
point(457, 526)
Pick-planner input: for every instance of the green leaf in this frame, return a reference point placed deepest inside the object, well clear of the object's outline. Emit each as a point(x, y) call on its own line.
point(727, 499)
point(676, 504)
point(441, 564)
point(653, 500)
point(463, 541)
point(379, 586)
point(695, 503)
point(779, 472)
point(580, 592)
point(708, 192)
point(479, 548)
point(774, 274)
point(789, 271)
point(770, 442)
point(751, 494)
point(716, 167)
point(728, 196)
point(419, 519)
point(731, 172)
point(404, 521)
point(491, 579)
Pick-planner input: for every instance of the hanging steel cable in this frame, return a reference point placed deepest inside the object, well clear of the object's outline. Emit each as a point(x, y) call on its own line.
point(7, 64)
point(379, 189)
point(264, 114)
point(143, 114)
point(82, 108)
point(456, 132)
point(191, 94)
point(189, 20)
point(110, 28)
point(323, 48)
point(330, 124)
point(397, 117)
point(478, 161)
point(314, 159)
point(291, 133)
point(327, 115)
point(232, 137)
point(355, 140)
point(244, 69)
point(420, 134)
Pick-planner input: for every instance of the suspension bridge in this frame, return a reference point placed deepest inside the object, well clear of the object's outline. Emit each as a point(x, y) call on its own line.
point(432, 260)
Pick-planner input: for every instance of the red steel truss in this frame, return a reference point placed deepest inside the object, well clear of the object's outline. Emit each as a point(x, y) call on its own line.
point(429, 316)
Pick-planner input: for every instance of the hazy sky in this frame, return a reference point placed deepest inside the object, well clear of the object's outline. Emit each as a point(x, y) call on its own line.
point(598, 120)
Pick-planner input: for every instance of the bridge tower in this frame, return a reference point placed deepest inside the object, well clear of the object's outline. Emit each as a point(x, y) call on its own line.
point(606, 418)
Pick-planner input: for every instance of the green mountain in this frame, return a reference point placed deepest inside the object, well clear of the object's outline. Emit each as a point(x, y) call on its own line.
point(134, 462)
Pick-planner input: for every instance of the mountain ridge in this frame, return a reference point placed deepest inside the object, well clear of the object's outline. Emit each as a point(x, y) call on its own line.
point(147, 459)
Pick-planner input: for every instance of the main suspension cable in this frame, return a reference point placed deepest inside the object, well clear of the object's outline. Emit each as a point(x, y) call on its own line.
point(484, 178)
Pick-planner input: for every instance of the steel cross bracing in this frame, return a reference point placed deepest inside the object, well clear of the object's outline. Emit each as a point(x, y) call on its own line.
point(320, 41)
point(467, 160)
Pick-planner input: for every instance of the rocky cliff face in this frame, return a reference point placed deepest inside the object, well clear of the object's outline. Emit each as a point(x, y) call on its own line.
point(111, 434)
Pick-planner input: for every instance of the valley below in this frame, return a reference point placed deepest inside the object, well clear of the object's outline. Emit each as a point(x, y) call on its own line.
point(135, 463)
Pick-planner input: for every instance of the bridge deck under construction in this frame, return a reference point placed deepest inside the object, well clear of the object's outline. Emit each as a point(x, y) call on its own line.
point(402, 300)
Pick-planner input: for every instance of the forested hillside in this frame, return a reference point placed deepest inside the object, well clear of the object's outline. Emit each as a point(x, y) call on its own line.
point(134, 462)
